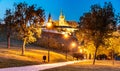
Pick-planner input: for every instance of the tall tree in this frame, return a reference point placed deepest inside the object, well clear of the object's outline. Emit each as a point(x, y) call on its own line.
point(98, 24)
point(29, 20)
point(9, 24)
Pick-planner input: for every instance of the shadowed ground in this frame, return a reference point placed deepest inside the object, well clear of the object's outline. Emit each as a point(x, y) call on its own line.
point(87, 66)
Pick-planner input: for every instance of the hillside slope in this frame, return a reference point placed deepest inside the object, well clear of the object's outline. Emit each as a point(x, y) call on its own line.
point(33, 55)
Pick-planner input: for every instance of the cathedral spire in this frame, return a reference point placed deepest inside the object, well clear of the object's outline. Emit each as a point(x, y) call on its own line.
point(61, 13)
point(49, 18)
point(61, 19)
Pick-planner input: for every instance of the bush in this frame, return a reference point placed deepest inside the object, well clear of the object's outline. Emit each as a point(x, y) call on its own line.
point(101, 57)
point(78, 56)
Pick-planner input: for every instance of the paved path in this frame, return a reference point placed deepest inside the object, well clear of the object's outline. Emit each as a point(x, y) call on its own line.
point(39, 67)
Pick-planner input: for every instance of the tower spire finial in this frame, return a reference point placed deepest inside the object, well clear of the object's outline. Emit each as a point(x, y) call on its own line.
point(49, 17)
point(61, 12)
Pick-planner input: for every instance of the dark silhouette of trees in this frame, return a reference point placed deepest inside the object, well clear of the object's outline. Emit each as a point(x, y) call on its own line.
point(9, 25)
point(29, 20)
point(2, 28)
point(98, 24)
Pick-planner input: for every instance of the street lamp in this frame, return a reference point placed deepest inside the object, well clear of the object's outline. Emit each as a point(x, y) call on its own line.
point(48, 26)
point(81, 50)
point(66, 36)
point(62, 45)
point(73, 44)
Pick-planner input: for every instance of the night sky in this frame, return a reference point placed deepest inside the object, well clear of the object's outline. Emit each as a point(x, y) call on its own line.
point(72, 9)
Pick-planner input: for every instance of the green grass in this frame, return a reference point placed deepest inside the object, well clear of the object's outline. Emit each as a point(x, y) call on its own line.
point(12, 57)
point(87, 66)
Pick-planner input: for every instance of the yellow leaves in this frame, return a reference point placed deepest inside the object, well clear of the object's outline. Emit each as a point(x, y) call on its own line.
point(38, 32)
point(30, 39)
point(102, 50)
point(90, 48)
point(32, 34)
point(114, 42)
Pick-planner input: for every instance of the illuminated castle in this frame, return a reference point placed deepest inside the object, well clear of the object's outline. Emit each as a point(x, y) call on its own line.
point(63, 22)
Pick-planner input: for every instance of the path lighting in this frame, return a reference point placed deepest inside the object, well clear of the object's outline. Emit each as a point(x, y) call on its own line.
point(79, 47)
point(66, 36)
point(81, 50)
point(48, 27)
point(73, 44)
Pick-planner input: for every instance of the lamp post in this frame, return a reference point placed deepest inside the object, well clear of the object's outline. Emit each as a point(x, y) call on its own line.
point(80, 49)
point(66, 36)
point(48, 27)
point(73, 45)
point(48, 50)
point(62, 45)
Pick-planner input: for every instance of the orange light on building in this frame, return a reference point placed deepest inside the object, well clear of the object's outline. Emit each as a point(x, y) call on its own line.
point(49, 25)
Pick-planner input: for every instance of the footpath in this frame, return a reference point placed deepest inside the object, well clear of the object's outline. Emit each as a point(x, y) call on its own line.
point(39, 67)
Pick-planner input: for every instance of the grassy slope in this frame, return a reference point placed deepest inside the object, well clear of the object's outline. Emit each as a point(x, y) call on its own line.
point(87, 66)
point(12, 57)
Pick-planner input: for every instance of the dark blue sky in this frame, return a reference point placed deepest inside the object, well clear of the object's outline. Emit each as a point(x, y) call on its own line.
point(72, 9)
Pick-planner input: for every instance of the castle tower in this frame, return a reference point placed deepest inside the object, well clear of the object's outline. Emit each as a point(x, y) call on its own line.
point(61, 19)
point(49, 23)
point(49, 18)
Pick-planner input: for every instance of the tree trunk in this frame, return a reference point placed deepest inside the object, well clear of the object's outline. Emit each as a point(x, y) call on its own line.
point(113, 57)
point(23, 47)
point(8, 40)
point(95, 55)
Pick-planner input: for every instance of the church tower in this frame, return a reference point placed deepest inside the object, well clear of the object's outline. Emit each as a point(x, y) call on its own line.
point(49, 18)
point(61, 19)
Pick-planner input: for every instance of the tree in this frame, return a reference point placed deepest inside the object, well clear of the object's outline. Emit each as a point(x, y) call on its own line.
point(98, 24)
point(29, 20)
point(9, 24)
point(113, 45)
point(2, 26)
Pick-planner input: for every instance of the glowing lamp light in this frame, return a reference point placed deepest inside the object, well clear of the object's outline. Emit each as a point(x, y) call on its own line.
point(49, 25)
point(65, 35)
point(79, 47)
point(73, 44)
point(81, 51)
